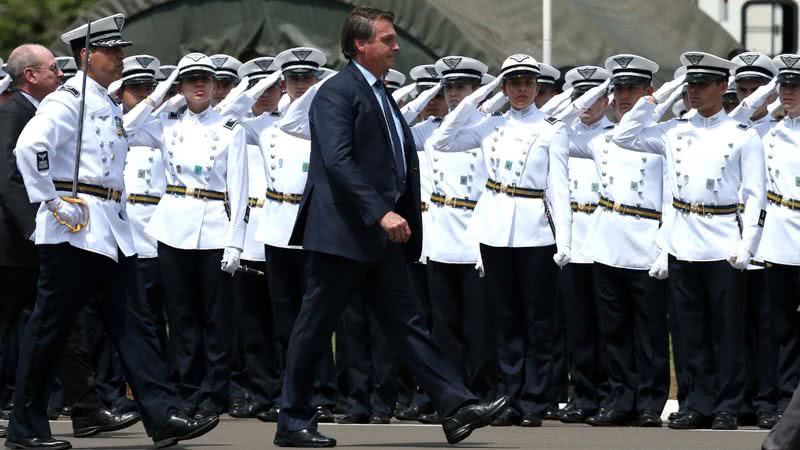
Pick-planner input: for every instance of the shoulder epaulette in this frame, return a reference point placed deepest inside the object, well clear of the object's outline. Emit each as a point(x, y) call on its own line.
point(230, 124)
point(609, 127)
point(275, 114)
point(436, 119)
point(551, 120)
point(742, 126)
point(71, 90)
point(497, 113)
point(173, 116)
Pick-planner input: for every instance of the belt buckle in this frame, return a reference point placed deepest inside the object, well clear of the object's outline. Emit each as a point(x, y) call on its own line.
point(696, 208)
point(190, 192)
point(450, 201)
point(286, 197)
point(618, 208)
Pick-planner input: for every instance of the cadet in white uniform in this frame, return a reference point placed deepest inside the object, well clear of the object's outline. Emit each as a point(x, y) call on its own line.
point(576, 280)
point(199, 222)
point(86, 248)
point(525, 154)
point(226, 75)
point(548, 75)
point(632, 306)
point(67, 66)
point(255, 380)
point(710, 159)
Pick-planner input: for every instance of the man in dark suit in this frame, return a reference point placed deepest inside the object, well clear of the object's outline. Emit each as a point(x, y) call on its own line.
point(361, 223)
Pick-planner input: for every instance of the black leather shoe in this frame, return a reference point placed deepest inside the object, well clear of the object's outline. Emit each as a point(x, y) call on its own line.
point(102, 421)
point(649, 419)
point(349, 419)
point(380, 419)
point(766, 421)
point(410, 413)
point(325, 415)
point(52, 413)
point(124, 405)
point(530, 420)
point(203, 414)
point(181, 428)
point(430, 419)
point(724, 421)
point(675, 415)
point(66, 411)
point(507, 418)
point(576, 415)
point(248, 410)
point(552, 412)
point(610, 418)
point(34, 443)
point(690, 420)
point(303, 438)
point(271, 415)
point(471, 417)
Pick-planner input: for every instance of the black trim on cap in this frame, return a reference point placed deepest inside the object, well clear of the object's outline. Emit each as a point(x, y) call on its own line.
point(632, 72)
point(225, 69)
point(138, 80)
point(299, 63)
point(696, 69)
point(522, 67)
point(466, 72)
point(594, 81)
point(760, 70)
point(151, 73)
point(199, 66)
point(427, 80)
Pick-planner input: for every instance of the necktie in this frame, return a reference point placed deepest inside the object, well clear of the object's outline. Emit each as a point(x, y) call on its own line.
point(399, 156)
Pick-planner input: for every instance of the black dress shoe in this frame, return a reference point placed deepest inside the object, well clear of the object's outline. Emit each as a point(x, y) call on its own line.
point(430, 418)
point(610, 418)
point(724, 421)
point(649, 419)
point(410, 413)
point(690, 420)
point(552, 412)
point(349, 419)
point(270, 415)
point(530, 420)
point(35, 443)
point(507, 418)
point(124, 405)
point(471, 417)
point(6, 414)
point(248, 410)
point(766, 421)
point(53, 413)
point(181, 428)
point(325, 415)
point(575, 415)
point(380, 419)
point(675, 415)
point(203, 414)
point(303, 438)
point(66, 411)
point(102, 421)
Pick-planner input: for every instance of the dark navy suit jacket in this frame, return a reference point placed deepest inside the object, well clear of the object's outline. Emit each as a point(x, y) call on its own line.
point(351, 178)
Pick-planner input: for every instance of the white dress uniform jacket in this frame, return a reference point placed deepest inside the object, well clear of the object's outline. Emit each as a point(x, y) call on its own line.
point(144, 175)
point(254, 247)
point(45, 153)
point(200, 151)
point(779, 243)
point(709, 159)
point(422, 132)
point(521, 148)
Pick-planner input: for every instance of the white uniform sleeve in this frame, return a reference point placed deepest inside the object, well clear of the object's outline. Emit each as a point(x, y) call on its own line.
point(662, 108)
point(579, 145)
point(667, 211)
point(558, 187)
point(456, 134)
point(53, 128)
point(637, 132)
point(238, 188)
point(753, 191)
point(745, 110)
point(295, 120)
point(143, 128)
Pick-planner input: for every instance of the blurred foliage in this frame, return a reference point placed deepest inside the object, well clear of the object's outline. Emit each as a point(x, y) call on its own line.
point(38, 21)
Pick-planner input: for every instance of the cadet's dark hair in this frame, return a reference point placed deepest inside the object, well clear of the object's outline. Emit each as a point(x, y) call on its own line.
point(358, 25)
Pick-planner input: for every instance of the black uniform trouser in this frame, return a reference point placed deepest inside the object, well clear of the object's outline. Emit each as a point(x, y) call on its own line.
point(386, 283)
point(709, 303)
point(522, 281)
point(256, 374)
point(679, 350)
point(463, 325)
point(784, 285)
point(561, 362)
point(369, 360)
point(761, 351)
point(408, 390)
point(584, 347)
point(199, 310)
point(633, 326)
point(286, 269)
point(68, 277)
point(108, 379)
point(19, 286)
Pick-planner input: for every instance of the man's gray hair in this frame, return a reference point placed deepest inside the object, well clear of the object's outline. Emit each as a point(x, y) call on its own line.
point(21, 58)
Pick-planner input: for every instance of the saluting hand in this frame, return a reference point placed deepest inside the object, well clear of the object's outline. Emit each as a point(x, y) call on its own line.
point(396, 227)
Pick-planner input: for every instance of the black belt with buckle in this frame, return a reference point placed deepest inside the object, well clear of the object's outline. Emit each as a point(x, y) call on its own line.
point(90, 189)
point(514, 191)
point(144, 199)
point(699, 208)
point(196, 193)
point(587, 208)
point(627, 210)
point(779, 200)
point(282, 197)
point(463, 203)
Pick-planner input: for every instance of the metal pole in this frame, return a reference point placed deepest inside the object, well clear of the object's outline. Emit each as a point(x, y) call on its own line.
point(547, 32)
point(82, 108)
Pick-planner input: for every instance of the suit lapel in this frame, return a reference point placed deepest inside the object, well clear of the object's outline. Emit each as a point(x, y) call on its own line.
point(24, 103)
point(370, 94)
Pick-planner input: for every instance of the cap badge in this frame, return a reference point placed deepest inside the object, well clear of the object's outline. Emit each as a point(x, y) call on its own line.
point(62, 63)
point(518, 58)
point(144, 61)
point(219, 61)
point(167, 71)
point(452, 63)
point(587, 73)
point(695, 58)
point(790, 61)
point(432, 71)
point(623, 61)
point(263, 64)
point(748, 59)
point(302, 55)
point(120, 21)
point(195, 57)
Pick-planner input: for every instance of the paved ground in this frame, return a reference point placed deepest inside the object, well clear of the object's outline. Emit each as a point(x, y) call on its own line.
point(254, 435)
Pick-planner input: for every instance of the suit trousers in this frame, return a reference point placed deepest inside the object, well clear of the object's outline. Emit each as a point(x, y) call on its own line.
point(408, 391)
point(784, 284)
point(522, 282)
point(709, 304)
point(786, 434)
point(68, 277)
point(584, 345)
point(387, 285)
point(679, 350)
point(256, 371)
point(199, 310)
point(19, 284)
point(633, 328)
point(463, 324)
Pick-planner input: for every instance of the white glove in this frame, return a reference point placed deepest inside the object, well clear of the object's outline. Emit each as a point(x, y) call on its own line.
point(69, 213)
point(413, 108)
point(775, 108)
point(230, 259)
point(740, 259)
point(561, 257)
point(660, 269)
point(243, 102)
point(235, 92)
point(557, 103)
point(479, 265)
point(666, 89)
point(5, 82)
point(157, 96)
point(495, 103)
point(400, 95)
point(662, 108)
point(583, 102)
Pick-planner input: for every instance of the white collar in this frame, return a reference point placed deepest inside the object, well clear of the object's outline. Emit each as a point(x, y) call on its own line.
point(707, 122)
